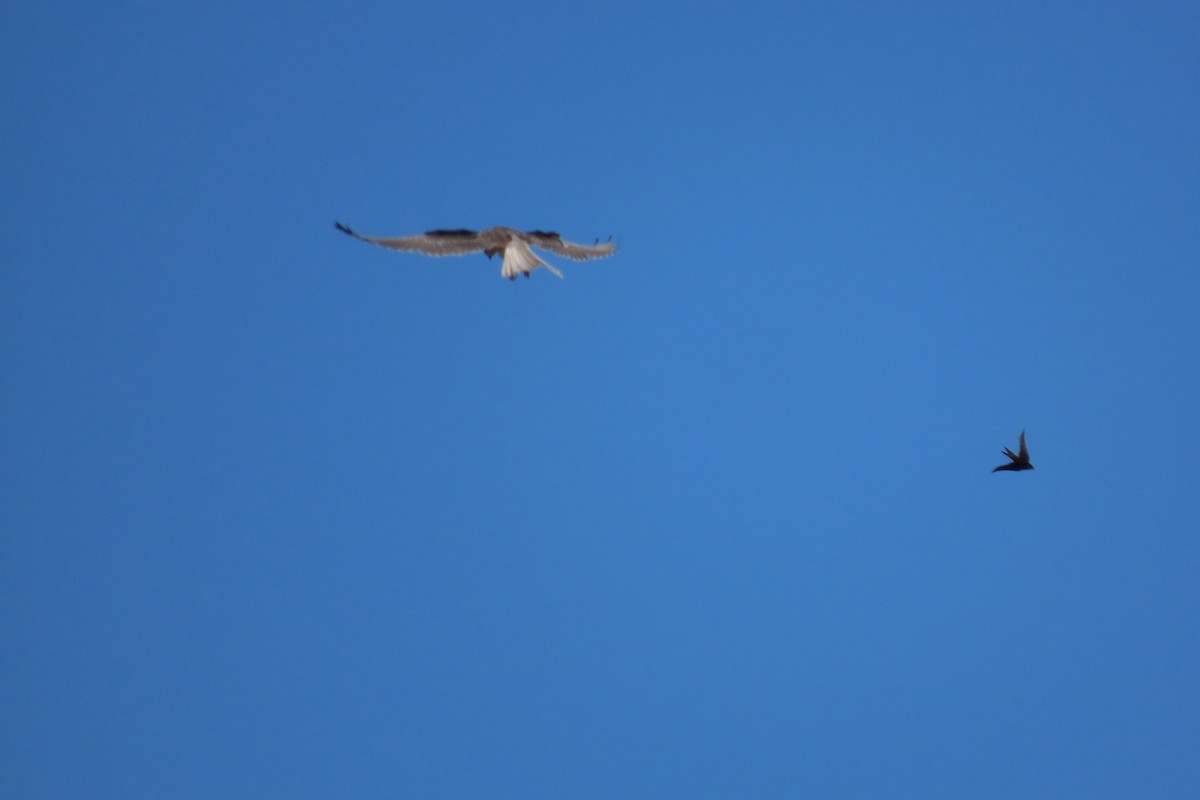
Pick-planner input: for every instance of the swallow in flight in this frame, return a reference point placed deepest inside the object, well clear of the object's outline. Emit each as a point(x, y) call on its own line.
point(1019, 461)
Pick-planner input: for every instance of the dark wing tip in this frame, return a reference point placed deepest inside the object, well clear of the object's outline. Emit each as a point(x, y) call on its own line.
point(343, 228)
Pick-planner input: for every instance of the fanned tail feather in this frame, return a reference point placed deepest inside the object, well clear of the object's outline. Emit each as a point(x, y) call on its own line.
point(518, 259)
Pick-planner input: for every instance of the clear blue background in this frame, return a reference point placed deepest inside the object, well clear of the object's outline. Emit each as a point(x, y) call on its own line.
point(285, 515)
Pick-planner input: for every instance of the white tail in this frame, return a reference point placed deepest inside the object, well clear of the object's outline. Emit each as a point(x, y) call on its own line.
point(518, 258)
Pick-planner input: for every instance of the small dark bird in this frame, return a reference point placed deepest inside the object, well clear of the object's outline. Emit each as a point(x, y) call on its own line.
point(1020, 460)
point(513, 245)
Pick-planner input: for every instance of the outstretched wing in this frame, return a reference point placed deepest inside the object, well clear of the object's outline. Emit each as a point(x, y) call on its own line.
point(434, 243)
point(580, 252)
point(1024, 450)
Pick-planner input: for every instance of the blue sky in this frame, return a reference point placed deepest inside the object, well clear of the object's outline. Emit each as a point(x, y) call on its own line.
point(290, 516)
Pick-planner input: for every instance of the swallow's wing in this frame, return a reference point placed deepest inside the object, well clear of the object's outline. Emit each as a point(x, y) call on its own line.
point(579, 252)
point(1024, 449)
point(434, 243)
point(1011, 466)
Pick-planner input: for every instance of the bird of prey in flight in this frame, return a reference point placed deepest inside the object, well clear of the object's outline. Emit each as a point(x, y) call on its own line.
point(513, 244)
point(1019, 461)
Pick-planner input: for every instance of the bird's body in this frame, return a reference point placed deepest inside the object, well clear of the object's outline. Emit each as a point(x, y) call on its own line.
point(1019, 461)
point(512, 244)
